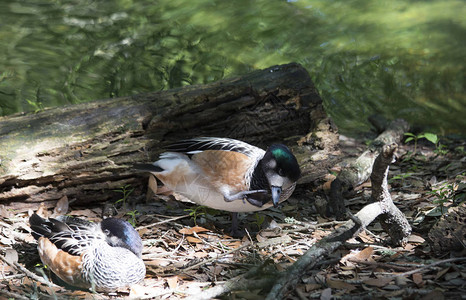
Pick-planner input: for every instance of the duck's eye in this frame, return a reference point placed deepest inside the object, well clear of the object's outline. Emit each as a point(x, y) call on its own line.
point(281, 172)
point(107, 232)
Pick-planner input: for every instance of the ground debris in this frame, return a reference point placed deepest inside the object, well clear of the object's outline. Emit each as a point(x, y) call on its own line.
point(187, 250)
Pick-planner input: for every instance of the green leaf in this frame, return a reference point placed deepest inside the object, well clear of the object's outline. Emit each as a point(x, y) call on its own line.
point(409, 139)
point(436, 211)
point(409, 134)
point(431, 137)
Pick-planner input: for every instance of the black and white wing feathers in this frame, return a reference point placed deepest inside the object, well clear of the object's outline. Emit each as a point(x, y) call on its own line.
point(196, 145)
point(69, 234)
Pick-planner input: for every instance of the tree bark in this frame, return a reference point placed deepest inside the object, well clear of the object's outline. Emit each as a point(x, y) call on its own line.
point(85, 151)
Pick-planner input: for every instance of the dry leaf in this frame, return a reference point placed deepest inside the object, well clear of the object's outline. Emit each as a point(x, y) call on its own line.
point(203, 235)
point(27, 281)
point(49, 290)
point(348, 268)
point(137, 291)
point(365, 254)
point(192, 239)
point(378, 282)
point(260, 239)
point(277, 256)
point(6, 241)
point(355, 256)
point(157, 262)
point(61, 208)
point(340, 285)
point(234, 244)
point(416, 239)
point(312, 286)
point(409, 247)
point(401, 280)
point(329, 177)
point(326, 186)
point(195, 229)
point(434, 295)
point(42, 211)
point(285, 208)
point(366, 238)
point(152, 188)
point(268, 232)
point(452, 275)
point(215, 270)
point(201, 254)
point(4, 213)
point(84, 213)
point(143, 231)
point(326, 294)
point(417, 279)
point(11, 256)
point(172, 282)
point(441, 273)
point(319, 233)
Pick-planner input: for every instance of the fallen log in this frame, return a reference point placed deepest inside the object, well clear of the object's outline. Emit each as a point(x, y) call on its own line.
point(84, 151)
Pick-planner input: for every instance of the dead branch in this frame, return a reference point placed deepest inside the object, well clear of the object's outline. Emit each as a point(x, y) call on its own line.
point(429, 266)
point(408, 268)
point(13, 295)
point(241, 282)
point(393, 221)
point(360, 169)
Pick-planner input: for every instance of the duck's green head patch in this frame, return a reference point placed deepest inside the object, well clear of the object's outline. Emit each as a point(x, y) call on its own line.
point(287, 165)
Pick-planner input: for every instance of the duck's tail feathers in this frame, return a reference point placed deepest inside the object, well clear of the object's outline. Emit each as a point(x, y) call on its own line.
point(42, 227)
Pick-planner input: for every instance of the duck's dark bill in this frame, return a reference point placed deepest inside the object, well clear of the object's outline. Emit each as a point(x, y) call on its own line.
point(276, 192)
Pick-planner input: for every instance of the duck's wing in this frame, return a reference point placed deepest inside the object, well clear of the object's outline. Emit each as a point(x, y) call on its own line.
point(73, 237)
point(75, 223)
point(197, 145)
point(225, 163)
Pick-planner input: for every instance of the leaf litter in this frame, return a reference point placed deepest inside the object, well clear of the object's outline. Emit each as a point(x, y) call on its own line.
point(187, 248)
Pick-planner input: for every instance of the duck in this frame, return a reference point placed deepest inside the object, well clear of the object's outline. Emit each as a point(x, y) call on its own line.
point(227, 174)
point(101, 256)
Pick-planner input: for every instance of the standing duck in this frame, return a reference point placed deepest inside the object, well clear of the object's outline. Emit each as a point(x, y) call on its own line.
point(227, 174)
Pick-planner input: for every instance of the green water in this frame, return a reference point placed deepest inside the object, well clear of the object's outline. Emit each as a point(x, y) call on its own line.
point(398, 58)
